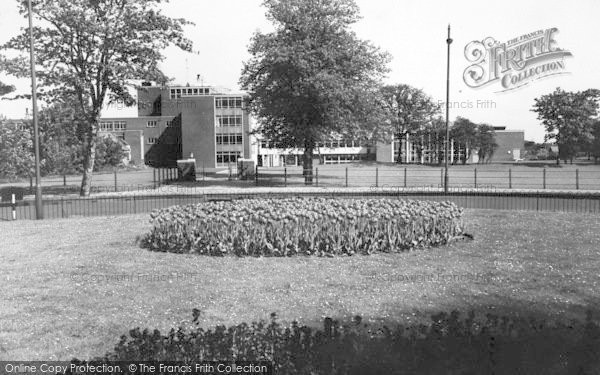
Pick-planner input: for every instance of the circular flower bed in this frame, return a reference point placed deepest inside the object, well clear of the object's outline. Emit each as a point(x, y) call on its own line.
point(310, 226)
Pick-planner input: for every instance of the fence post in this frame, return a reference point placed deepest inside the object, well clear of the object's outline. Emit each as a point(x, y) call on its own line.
point(154, 177)
point(475, 177)
point(256, 176)
point(346, 176)
point(377, 177)
point(30, 184)
point(13, 204)
point(285, 176)
point(62, 207)
point(405, 179)
point(134, 207)
point(116, 189)
point(544, 178)
point(317, 176)
point(509, 178)
point(577, 179)
point(442, 178)
point(64, 184)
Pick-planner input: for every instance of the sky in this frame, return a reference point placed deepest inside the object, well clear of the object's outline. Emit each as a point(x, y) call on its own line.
point(413, 32)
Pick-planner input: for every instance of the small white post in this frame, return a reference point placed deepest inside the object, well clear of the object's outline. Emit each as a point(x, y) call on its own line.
point(13, 202)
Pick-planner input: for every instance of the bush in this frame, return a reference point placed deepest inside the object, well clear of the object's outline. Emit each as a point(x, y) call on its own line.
point(110, 152)
point(449, 344)
point(310, 226)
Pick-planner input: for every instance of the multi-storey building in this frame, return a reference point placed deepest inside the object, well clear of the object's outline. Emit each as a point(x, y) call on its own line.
point(180, 122)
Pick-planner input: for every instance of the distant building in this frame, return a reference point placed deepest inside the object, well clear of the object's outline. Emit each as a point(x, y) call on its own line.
point(425, 150)
point(16, 123)
point(511, 144)
point(333, 151)
point(176, 122)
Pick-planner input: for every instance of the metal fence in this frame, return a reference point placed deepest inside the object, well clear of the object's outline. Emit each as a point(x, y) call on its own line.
point(109, 206)
point(356, 175)
point(414, 177)
point(104, 182)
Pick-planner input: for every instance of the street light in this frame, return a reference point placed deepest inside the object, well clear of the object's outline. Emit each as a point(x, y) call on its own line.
point(448, 42)
point(39, 213)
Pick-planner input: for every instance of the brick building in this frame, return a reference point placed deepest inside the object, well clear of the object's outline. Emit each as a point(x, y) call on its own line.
point(175, 122)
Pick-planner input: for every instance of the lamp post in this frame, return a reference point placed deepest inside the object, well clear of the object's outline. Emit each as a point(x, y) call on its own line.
point(39, 213)
point(448, 42)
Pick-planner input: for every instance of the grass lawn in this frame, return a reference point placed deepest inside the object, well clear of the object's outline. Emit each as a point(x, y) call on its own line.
point(71, 288)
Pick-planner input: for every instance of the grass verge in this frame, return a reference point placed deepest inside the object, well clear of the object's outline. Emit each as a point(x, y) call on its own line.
point(71, 288)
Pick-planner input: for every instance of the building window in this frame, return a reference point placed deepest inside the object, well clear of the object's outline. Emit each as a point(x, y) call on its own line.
point(177, 93)
point(228, 102)
point(225, 120)
point(169, 123)
point(152, 124)
point(226, 157)
point(152, 140)
point(106, 126)
point(120, 125)
point(229, 139)
point(265, 144)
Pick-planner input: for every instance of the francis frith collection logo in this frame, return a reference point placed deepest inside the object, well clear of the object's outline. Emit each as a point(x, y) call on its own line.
point(514, 63)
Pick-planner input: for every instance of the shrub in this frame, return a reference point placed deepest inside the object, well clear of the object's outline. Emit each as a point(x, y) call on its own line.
point(310, 226)
point(449, 344)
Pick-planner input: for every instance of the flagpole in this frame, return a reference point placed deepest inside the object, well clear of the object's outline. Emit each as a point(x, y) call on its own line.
point(448, 42)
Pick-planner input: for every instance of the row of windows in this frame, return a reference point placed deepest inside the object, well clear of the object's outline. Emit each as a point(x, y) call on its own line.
point(154, 123)
point(110, 126)
point(188, 91)
point(224, 102)
point(229, 139)
point(347, 158)
point(233, 120)
point(340, 143)
point(226, 157)
point(155, 140)
point(328, 144)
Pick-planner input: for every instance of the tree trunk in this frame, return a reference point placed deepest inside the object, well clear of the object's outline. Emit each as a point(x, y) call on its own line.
point(399, 157)
point(307, 165)
point(89, 158)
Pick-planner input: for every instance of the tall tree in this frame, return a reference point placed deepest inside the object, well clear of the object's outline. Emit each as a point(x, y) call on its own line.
point(568, 118)
point(16, 150)
point(465, 134)
point(312, 77)
point(594, 147)
point(410, 110)
point(486, 142)
point(90, 49)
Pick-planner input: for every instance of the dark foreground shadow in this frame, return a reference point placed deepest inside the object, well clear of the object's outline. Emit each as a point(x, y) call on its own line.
point(449, 343)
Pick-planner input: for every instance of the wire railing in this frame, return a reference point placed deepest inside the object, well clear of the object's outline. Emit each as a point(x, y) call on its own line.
point(411, 177)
